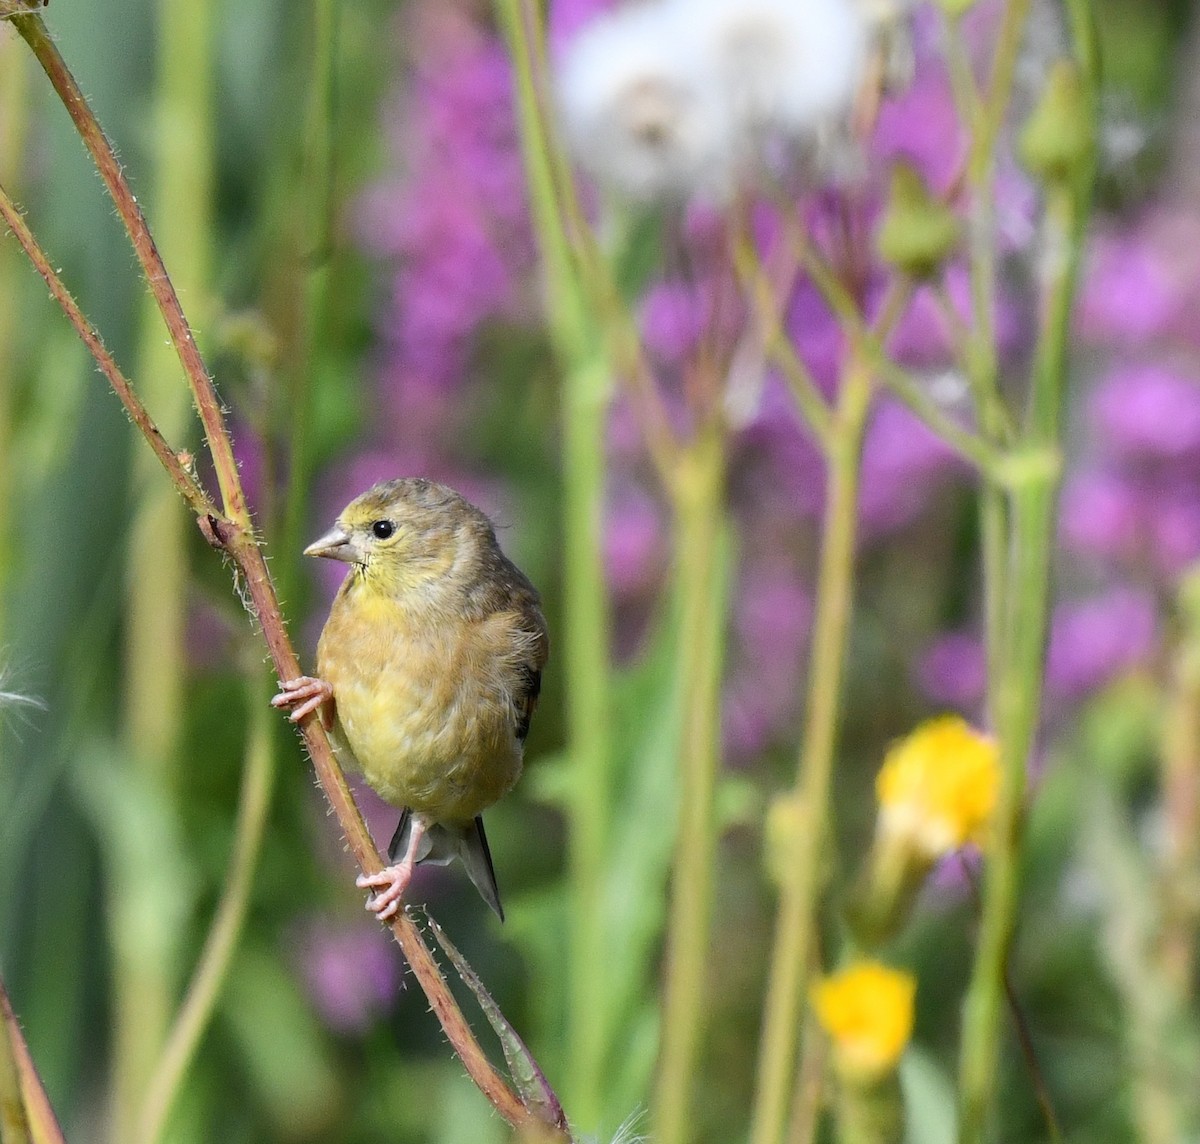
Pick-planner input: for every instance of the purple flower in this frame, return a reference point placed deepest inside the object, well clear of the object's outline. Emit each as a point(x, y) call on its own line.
point(771, 621)
point(1100, 515)
point(1149, 412)
point(454, 225)
point(635, 533)
point(902, 460)
point(923, 337)
point(566, 17)
point(1175, 525)
point(953, 671)
point(1093, 641)
point(674, 317)
point(921, 126)
point(1143, 282)
point(352, 972)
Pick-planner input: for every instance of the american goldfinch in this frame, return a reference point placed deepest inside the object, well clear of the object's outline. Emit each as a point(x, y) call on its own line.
point(429, 669)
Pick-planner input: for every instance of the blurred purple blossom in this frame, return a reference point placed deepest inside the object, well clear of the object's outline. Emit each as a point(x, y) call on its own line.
point(902, 460)
point(1100, 515)
point(352, 972)
point(452, 223)
point(953, 671)
point(1092, 641)
point(1143, 281)
point(771, 621)
point(1149, 412)
point(635, 540)
point(565, 18)
point(921, 126)
point(674, 317)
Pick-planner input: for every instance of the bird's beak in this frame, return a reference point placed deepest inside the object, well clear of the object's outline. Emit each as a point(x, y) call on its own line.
point(336, 545)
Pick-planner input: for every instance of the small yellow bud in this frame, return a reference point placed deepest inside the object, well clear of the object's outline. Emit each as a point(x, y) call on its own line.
point(867, 1011)
point(786, 825)
point(918, 231)
point(1057, 141)
point(956, 8)
point(938, 787)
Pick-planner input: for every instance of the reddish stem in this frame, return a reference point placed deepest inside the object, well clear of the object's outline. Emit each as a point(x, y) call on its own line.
point(231, 532)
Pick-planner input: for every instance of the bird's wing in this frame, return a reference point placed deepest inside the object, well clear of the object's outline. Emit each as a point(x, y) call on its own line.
point(525, 698)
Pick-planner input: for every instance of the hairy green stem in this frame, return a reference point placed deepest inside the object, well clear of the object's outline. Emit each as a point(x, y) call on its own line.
point(699, 514)
point(796, 920)
point(258, 777)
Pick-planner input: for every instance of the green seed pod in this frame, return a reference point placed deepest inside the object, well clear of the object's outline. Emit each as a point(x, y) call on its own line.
point(918, 232)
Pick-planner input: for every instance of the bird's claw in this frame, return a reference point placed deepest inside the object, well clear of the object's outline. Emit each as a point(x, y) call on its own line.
point(303, 695)
point(391, 884)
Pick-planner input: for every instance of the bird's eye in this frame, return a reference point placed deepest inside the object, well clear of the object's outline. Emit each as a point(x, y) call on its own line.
point(382, 529)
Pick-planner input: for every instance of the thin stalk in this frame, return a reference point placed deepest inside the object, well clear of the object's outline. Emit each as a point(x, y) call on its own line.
point(1179, 778)
point(13, 83)
point(574, 242)
point(699, 515)
point(156, 562)
point(795, 926)
point(768, 305)
point(870, 346)
point(235, 539)
point(314, 240)
point(258, 778)
point(1015, 691)
point(586, 388)
point(1017, 705)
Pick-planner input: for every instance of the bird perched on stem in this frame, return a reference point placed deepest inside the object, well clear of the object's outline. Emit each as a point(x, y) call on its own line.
point(429, 669)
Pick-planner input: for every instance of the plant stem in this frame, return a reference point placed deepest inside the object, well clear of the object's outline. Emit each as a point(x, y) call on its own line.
point(1020, 605)
point(312, 241)
point(258, 777)
point(585, 397)
point(699, 513)
point(12, 146)
point(795, 927)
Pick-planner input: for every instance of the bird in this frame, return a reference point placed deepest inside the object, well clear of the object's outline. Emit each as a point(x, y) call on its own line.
point(429, 669)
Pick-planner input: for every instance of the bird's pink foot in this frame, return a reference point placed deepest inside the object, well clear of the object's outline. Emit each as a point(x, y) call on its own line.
point(390, 884)
point(303, 696)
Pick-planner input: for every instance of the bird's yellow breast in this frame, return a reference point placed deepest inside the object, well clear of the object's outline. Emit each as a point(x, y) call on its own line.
point(424, 703)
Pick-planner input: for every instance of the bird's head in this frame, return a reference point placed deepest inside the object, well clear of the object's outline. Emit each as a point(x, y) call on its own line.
point(406, 535)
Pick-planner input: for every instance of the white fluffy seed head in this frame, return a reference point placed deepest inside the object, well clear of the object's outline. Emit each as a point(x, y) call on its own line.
point(675, 98)
point(637, 110)
point(786, 66)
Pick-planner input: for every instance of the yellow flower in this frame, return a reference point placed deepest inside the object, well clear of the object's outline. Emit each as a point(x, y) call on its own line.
point(867, 1011)
point(938, 787)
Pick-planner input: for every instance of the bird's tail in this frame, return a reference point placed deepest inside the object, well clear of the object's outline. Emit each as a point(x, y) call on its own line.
point(443, 842)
